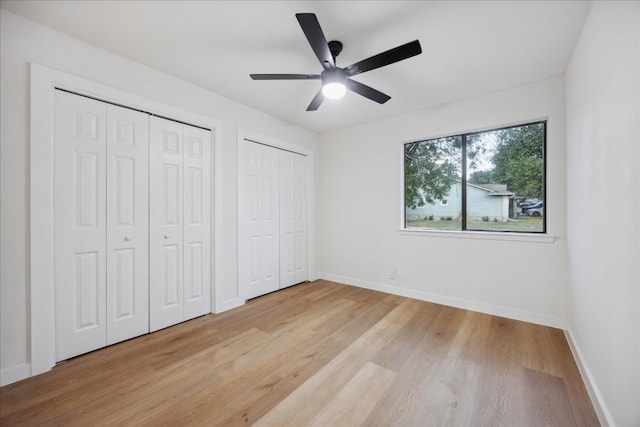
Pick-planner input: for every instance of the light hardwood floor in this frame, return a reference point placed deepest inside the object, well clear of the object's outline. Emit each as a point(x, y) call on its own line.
point(322, 354)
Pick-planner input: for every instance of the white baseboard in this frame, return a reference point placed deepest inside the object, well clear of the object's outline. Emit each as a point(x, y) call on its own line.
point(228, 305)
point(511, 313)
point(604, 416)
point(17, 373)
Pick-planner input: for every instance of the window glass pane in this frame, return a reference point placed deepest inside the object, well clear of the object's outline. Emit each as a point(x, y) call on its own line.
point(505, 170)
point(433, 171)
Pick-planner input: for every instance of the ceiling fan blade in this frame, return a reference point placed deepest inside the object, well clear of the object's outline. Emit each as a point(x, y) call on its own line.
point(284, 76)
point(385, 58)
point(367, 91)
point(311, 28)
point(316, 101)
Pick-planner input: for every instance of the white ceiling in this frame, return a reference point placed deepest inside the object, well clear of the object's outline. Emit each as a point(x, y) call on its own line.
point(469, 47)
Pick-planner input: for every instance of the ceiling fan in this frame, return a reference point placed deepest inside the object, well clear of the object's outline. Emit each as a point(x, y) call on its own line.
point(336, 80)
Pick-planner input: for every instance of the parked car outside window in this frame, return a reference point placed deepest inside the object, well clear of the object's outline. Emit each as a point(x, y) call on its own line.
point(526, 210)
point(536, 210)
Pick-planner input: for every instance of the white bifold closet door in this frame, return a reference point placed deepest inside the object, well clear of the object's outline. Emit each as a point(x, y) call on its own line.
point(293, 219)
point(100, 231)
point(179, 223)
point(272, 219)
point(259, 271)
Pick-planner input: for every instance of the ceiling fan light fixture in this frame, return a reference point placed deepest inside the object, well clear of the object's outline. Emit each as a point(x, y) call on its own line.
point(334, 83)
point(334, 90)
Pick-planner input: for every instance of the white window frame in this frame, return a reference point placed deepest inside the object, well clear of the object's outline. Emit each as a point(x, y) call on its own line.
point(469, 234)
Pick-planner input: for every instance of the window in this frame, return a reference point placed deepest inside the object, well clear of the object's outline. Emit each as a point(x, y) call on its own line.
point(484, 181)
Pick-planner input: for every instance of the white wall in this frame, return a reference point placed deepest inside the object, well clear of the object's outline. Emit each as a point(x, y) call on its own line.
point(23, 41)
point(603, 163)
point(359, 201)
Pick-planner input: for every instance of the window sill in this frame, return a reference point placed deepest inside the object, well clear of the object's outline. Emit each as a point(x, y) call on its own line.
point(479, 235)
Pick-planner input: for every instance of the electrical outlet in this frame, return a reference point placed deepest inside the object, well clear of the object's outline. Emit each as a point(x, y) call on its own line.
point(392, 274)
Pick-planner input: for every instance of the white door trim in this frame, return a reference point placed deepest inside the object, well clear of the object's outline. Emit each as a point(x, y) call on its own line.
point(249, 135)
point(44, 81)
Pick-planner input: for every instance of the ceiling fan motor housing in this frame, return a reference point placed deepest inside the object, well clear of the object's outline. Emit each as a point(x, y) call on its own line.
point(335, 47)
point(334, 75)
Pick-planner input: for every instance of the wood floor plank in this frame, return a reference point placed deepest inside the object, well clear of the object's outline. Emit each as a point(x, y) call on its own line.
point(296, 336)
point(267, 392)
point(319, 353)
point(405, 398)
point(500, 377)
point(216, 400)
point(300, 407)
point(544, 399)
point(352, 404)
point(100, 368)
point(583, 410)
point(394, 355)
point(132, 397)
point(536, 349)
point(457, 384)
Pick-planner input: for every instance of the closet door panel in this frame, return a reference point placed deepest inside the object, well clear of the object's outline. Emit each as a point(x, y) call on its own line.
point(270, 214)
point(287, 235)
point(80, 226)
point(250, 220)
point(197, 224)
point(259, 222)
point(300, 219)
point(166, 287)
point(127, 224)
